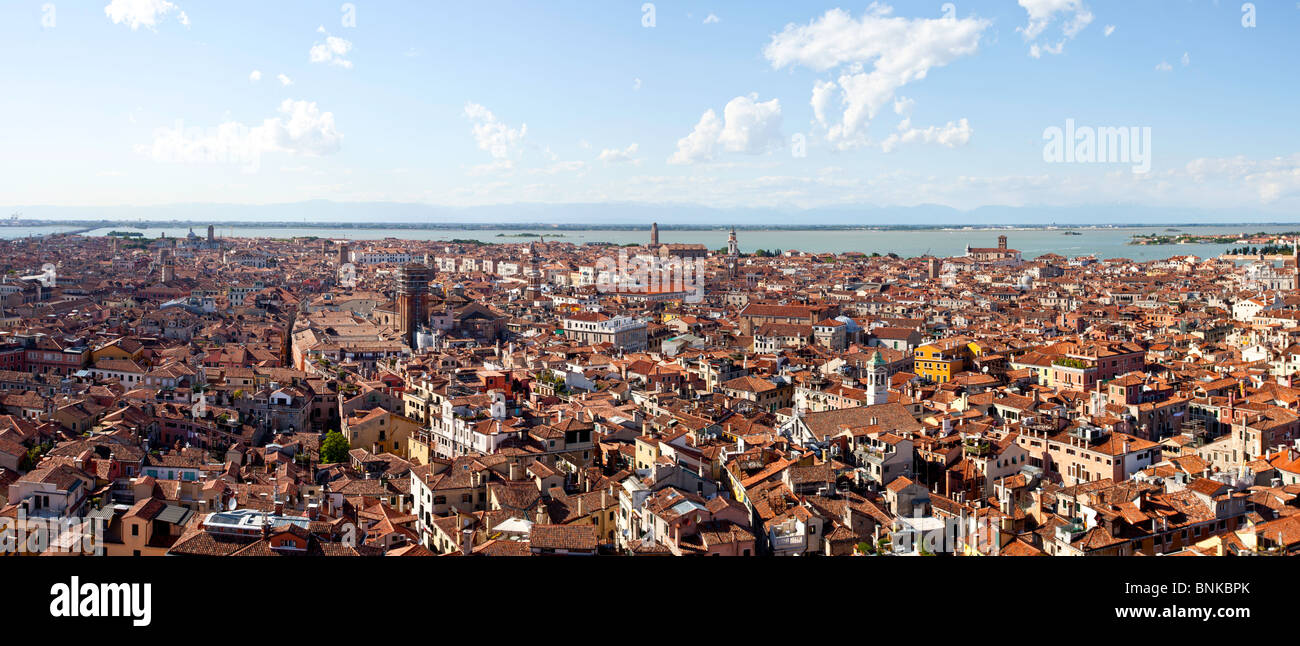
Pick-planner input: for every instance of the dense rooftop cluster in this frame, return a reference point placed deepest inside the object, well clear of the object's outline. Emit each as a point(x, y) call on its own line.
point(205, 396)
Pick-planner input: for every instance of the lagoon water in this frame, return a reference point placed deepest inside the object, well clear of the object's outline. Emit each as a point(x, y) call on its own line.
point(1101, 242)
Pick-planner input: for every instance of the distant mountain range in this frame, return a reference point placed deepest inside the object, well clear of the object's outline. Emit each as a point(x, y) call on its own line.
point(619, 214)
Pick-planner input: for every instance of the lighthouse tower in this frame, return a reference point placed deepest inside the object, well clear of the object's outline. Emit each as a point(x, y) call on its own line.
point(877, 380)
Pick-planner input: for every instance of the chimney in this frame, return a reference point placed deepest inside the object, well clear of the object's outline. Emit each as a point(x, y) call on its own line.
point(580, 506)
point(467, 541)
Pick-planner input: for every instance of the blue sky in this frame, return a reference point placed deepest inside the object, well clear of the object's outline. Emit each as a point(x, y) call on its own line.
point(121, 102)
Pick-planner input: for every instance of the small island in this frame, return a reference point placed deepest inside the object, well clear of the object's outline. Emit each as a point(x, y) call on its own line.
point(1247, 239)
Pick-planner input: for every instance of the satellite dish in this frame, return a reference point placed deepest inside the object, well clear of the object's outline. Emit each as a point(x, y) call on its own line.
point(231, 504)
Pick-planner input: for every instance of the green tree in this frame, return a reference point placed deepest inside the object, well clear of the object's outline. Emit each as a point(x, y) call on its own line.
point(32, 457)
point(334, 448)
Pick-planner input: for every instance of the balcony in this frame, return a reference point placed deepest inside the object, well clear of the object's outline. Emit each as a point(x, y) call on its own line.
point(873, 455)
point(781, 543)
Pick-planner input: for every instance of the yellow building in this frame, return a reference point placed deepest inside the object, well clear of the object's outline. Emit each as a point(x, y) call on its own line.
point(940, 360)
point(126, 349)
point(380, 431)
point(647, 451)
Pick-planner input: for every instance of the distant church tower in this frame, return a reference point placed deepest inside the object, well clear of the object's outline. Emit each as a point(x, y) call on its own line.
point(654, 234)
point(412, 300)
point(877, 380)
point(1002, 242)
point(534, 272)
point(168, 272)
point(733, 253)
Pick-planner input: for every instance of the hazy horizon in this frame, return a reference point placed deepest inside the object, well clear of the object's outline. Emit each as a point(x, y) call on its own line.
point(631, 214)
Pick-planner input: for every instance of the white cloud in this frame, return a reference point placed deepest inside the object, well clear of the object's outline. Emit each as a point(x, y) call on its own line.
point(899, 50)
point(1037, 51)
point(255, 76)
point(333, 51)
point(822, 94)
point(636, 84)
point(952, 134)
point(495, 137)
point(699, 144)
point(1269, 179)
point(750, 127)
point(1074, 16)
point(616, 156)
point(300, 128)
point(1187, 59)
point(711, 19)
point(747, 126)
point(142, 13)
point(1164, 66)
point(284, 80)
point(1110, 29)
point(303, 129)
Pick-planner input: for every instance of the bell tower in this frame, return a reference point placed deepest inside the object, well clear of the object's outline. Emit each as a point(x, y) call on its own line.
point(877, 380)
point(733, 253)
